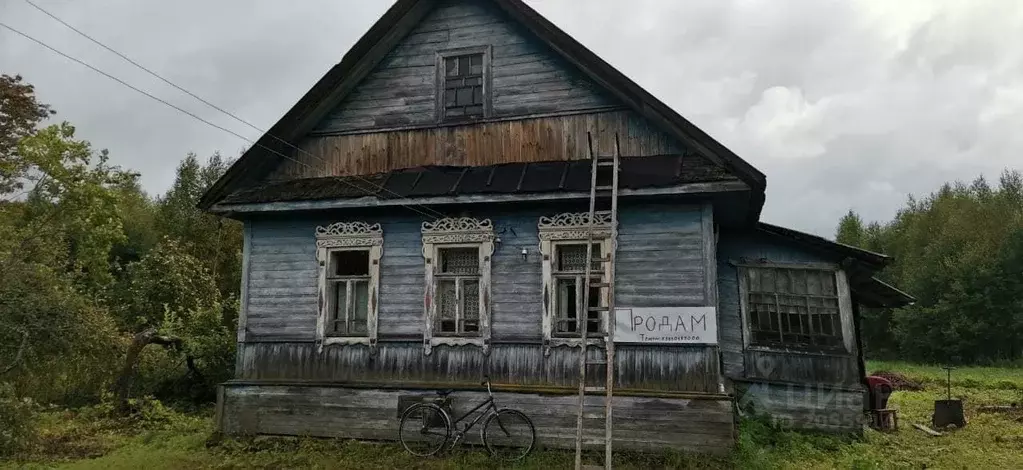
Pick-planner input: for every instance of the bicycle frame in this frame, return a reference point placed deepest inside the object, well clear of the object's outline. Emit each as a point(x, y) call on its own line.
point(489, 404)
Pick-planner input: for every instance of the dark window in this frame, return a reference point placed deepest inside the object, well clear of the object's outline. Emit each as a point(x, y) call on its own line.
point(463, 87)
point(569, 277)
point(793, 308)
point(348, 284)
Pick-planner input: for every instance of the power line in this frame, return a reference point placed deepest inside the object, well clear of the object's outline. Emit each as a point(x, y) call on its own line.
point(204, 101)
point(193, 115)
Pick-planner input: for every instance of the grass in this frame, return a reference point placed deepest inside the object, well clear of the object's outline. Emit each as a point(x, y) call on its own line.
point(84, 439)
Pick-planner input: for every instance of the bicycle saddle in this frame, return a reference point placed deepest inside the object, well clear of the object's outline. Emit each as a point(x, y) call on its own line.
point(444, 393)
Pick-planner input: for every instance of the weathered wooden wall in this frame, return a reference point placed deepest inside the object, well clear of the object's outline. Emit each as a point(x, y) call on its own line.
point(660, 263)
point(795, 367)
point(527, 140)
point(527, 77)
point(638, 367)
point(809, 406)
point(651, 424)
point(803, 390)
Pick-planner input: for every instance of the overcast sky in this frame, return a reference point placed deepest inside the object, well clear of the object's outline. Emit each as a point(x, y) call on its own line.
point(843, 104)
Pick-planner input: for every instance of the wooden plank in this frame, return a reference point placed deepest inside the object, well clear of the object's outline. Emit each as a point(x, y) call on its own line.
point(371, 414)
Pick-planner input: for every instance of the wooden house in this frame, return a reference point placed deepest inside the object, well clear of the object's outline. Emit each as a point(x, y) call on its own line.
point(413, 223)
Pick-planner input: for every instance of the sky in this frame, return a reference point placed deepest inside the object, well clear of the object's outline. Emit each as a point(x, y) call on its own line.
point(844, 105)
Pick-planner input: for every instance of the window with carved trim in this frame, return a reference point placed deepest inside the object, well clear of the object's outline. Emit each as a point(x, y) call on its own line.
point(348, 254)
point(563, 244)
point(463, 84)
point(457, 253)
point(795, 307)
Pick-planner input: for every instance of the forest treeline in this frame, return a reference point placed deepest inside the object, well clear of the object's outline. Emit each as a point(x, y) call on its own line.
point(107, 293)
point(959, 251)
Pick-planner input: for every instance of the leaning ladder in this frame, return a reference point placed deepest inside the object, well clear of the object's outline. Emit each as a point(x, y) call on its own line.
point(604, 279)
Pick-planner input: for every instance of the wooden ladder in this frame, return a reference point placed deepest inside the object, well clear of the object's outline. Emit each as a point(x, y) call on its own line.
point(604, 279)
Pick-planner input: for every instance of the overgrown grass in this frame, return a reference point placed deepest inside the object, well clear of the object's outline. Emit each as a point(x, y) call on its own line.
point(163, 439)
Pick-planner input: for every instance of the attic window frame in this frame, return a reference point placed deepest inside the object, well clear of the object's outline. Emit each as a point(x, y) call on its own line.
point(441, 82)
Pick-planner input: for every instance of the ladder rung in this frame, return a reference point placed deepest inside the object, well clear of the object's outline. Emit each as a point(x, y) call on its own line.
point(596, 362)
point(594, 415)
point(605, 187)
point(594, 389)
point(600, 284)
point(600, 309)
point(609, 162)
point(600, 260)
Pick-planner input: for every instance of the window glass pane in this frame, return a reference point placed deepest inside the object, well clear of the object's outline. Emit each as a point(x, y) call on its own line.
point(573, 257)
point(470, 306)
point(446, 300)
point(455, 112)
point(360, 290)
point(476, 62)
point(350, 263)
point(340, 305)
point(451, 66)
point(463, 65)
point(477, 94)
point(567, 307)
point(464, 96)
point(459, 261)
point(827, 283)
point(594, 324)
point(474, 110)
point(449, 97)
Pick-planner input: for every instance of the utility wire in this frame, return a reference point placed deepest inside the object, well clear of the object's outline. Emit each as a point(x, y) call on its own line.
point(198, 118)
point(204, 101)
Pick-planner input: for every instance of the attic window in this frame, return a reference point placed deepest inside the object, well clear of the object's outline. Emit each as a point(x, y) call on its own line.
point(463, 79)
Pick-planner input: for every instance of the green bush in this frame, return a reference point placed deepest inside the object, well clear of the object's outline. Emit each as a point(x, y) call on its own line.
point(17, 420)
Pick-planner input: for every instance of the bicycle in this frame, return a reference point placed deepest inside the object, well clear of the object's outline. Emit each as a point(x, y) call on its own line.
point(426, 427)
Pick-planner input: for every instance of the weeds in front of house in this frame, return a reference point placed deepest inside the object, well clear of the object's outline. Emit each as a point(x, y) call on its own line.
point(155, 437)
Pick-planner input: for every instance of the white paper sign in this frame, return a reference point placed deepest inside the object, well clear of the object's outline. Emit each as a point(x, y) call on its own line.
point(691, 325)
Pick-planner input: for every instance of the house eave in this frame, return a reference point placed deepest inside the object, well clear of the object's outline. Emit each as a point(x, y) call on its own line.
point(373, 201)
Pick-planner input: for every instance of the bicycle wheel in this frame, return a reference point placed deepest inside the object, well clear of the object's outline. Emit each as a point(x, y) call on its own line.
point(424, 429)
point(509, 434)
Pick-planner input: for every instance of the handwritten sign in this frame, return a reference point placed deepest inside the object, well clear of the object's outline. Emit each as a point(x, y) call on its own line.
point(686, 325)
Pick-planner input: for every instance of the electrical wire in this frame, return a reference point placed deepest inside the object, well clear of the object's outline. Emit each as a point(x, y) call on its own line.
point(435, 214)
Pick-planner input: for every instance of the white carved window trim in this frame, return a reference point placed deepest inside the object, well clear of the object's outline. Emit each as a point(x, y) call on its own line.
point(347, 236)
point(570, 228)
point(462, 232)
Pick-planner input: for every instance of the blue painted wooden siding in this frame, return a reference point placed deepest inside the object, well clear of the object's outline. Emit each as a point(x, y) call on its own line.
point(732, 246)
point(660, 263)
point(527, 78)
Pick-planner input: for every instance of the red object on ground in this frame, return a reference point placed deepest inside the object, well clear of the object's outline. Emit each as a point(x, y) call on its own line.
point(880, 389)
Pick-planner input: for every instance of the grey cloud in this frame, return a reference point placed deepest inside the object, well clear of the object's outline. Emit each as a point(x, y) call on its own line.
point(843, 104)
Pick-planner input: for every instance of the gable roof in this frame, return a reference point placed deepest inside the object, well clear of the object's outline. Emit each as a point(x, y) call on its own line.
point(367, 53)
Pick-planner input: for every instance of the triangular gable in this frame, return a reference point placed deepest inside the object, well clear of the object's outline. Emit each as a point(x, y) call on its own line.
point(395, 25)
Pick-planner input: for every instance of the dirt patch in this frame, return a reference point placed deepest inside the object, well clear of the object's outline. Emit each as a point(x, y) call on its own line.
point(899, 381)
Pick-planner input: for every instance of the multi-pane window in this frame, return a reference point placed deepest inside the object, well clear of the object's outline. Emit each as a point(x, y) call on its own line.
point(458, 292)
point(569, 275)
point(793, 308)
point(463, 84)
point(348, 280)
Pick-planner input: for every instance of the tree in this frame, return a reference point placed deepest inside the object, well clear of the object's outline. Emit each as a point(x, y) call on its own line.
point(19, 115)
point(850, 230)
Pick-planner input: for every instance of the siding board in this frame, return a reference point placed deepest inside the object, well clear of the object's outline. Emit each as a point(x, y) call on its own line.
point(703, 426)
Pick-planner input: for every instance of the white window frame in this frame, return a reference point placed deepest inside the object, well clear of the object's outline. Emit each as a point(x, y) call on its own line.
point(348, 236)
point(845, 309)
point(461, 232)
point(571, 229)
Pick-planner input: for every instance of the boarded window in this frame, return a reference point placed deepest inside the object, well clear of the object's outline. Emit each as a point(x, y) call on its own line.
point(458, 292)
point(569, 273)
point(348, 280)
point(463, 92)
point(793, 308)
